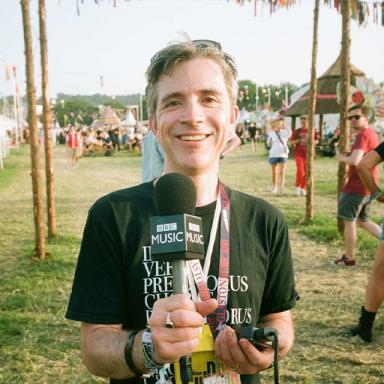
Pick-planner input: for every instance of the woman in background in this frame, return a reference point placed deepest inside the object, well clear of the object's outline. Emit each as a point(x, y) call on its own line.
point(277, 141)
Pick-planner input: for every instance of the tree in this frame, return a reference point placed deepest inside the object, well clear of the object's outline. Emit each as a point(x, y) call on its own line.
point(311, 130)
point(34, 135)
point(345, 83)
point(47, 123)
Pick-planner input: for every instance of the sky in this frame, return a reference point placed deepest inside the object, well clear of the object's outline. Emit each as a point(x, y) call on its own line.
point(118, 42)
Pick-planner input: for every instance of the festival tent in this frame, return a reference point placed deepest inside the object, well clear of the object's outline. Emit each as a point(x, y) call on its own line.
point(326, 99)
point(129, 120)
point(107, 118)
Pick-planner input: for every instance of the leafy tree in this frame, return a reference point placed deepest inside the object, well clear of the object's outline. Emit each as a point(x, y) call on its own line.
point(74, 112)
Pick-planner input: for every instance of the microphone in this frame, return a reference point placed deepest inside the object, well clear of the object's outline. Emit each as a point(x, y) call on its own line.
point(177, 236)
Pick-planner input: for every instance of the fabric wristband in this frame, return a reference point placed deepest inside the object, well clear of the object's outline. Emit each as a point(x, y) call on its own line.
point(128, 353)
point(148, 353)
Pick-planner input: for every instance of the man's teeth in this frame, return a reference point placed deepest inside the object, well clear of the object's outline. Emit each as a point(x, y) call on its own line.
point(193, 137)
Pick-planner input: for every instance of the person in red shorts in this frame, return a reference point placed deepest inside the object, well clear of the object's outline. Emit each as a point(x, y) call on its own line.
point(353, 204)
point(299, 140)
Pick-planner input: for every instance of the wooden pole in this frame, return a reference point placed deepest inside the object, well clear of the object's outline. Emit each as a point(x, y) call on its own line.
point(311, 128)
point(34, 136)
point(47, 122)
point(345, 83)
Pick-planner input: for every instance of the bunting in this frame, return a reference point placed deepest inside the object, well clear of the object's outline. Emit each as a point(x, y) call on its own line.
point(361, 11)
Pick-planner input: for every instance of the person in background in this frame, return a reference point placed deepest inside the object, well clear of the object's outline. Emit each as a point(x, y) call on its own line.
point(152, 165)
point(353, 206)
point(299, 141)
point(252, 135)
point(277, 141)
point(374, 291)
point(75, 145)
point(240, 132)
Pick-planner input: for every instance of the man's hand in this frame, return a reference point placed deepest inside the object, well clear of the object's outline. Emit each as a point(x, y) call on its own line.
point(241, 355)
point(187, 317)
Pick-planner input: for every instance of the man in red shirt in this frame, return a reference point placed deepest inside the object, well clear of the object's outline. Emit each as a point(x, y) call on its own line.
point(353, 204)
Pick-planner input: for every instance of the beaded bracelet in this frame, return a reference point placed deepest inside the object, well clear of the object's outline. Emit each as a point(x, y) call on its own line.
point(128, 353)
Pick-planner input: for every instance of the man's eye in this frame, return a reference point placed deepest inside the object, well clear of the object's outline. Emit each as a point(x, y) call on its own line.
point(210, 99)
point(171, 103)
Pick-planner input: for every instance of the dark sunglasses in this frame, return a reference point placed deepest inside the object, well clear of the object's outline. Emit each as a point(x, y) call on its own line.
point(202, 43)
point(354, 117)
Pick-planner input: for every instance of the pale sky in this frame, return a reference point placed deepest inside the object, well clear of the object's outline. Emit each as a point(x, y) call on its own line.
point(118, 43)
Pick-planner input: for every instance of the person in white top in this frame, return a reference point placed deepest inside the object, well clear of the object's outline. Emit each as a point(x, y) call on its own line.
point(278, 153)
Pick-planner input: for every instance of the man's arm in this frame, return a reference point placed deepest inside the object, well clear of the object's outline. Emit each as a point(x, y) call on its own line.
point(102, 346)
point(233, 143)
point(364, 168)
point(283, 323)
point(353, 159)
point(242, 353)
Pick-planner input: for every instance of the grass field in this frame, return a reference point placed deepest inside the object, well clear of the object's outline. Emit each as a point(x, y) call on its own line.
point(37, 345)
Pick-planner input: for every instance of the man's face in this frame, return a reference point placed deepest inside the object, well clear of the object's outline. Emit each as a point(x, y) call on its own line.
point(357, 119)
point(194, 116)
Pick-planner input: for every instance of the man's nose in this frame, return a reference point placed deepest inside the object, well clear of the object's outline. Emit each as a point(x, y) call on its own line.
point(192, 112)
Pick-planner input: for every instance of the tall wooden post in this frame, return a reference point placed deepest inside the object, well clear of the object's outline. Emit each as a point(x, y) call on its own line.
point(34, 135)
point(311, 128)
point(345, 83)
point(47, 122)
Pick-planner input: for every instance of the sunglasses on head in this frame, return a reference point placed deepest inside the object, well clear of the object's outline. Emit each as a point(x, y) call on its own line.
point(354, 117)
point(202, 43)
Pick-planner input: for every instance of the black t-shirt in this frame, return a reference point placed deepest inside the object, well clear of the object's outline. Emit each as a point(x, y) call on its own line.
point(117, 282)
point(380, 150)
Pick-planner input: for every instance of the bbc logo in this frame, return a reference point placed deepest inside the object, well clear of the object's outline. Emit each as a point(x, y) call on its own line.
point(166, 227)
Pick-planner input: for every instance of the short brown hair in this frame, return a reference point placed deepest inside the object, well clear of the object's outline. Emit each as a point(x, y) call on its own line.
point(165, 61)
point(364, 109)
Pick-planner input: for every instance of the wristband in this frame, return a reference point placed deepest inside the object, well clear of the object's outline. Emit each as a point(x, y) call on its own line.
point(148, 353)
point(376, 195)
point(128, 353)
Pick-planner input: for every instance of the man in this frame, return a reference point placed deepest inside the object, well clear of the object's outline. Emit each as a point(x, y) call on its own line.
point(353, 206)
point(299, 140)
point(374, 292)
point(118, 289)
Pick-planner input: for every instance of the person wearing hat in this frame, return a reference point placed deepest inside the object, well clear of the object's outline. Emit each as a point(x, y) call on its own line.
point(299, 140)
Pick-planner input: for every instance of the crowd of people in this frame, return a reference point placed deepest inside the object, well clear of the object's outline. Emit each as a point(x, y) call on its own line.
point(87, 141)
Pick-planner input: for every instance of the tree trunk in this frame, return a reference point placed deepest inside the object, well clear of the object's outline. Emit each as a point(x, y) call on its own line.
point(311, 128)
point(34, 135)
point(47, 122)
point(345, 83)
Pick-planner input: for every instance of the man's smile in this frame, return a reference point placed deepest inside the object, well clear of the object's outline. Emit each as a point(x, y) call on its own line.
point(193, 137)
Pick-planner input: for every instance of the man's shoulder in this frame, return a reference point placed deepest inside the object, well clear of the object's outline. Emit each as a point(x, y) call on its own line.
point(138, 194)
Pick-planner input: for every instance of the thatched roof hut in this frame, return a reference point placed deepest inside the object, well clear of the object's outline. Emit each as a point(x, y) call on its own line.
point(326, 100)
point(107, 118)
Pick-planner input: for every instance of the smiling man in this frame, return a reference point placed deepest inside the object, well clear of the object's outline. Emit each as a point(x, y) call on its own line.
point(132, 325)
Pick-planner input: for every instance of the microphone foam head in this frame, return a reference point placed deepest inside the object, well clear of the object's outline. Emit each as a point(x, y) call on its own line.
point(175, 193)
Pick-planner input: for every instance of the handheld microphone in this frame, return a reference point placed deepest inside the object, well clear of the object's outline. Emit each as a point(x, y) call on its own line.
point(177, 236)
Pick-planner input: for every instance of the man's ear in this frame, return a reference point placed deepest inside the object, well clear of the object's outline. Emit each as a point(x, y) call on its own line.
point(152, 125)
point(234, 117)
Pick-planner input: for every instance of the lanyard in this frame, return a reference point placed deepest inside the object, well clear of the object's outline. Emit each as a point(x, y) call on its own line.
point(200, 275)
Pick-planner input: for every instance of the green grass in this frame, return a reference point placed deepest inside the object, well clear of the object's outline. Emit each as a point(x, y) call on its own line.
point(37, 344)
